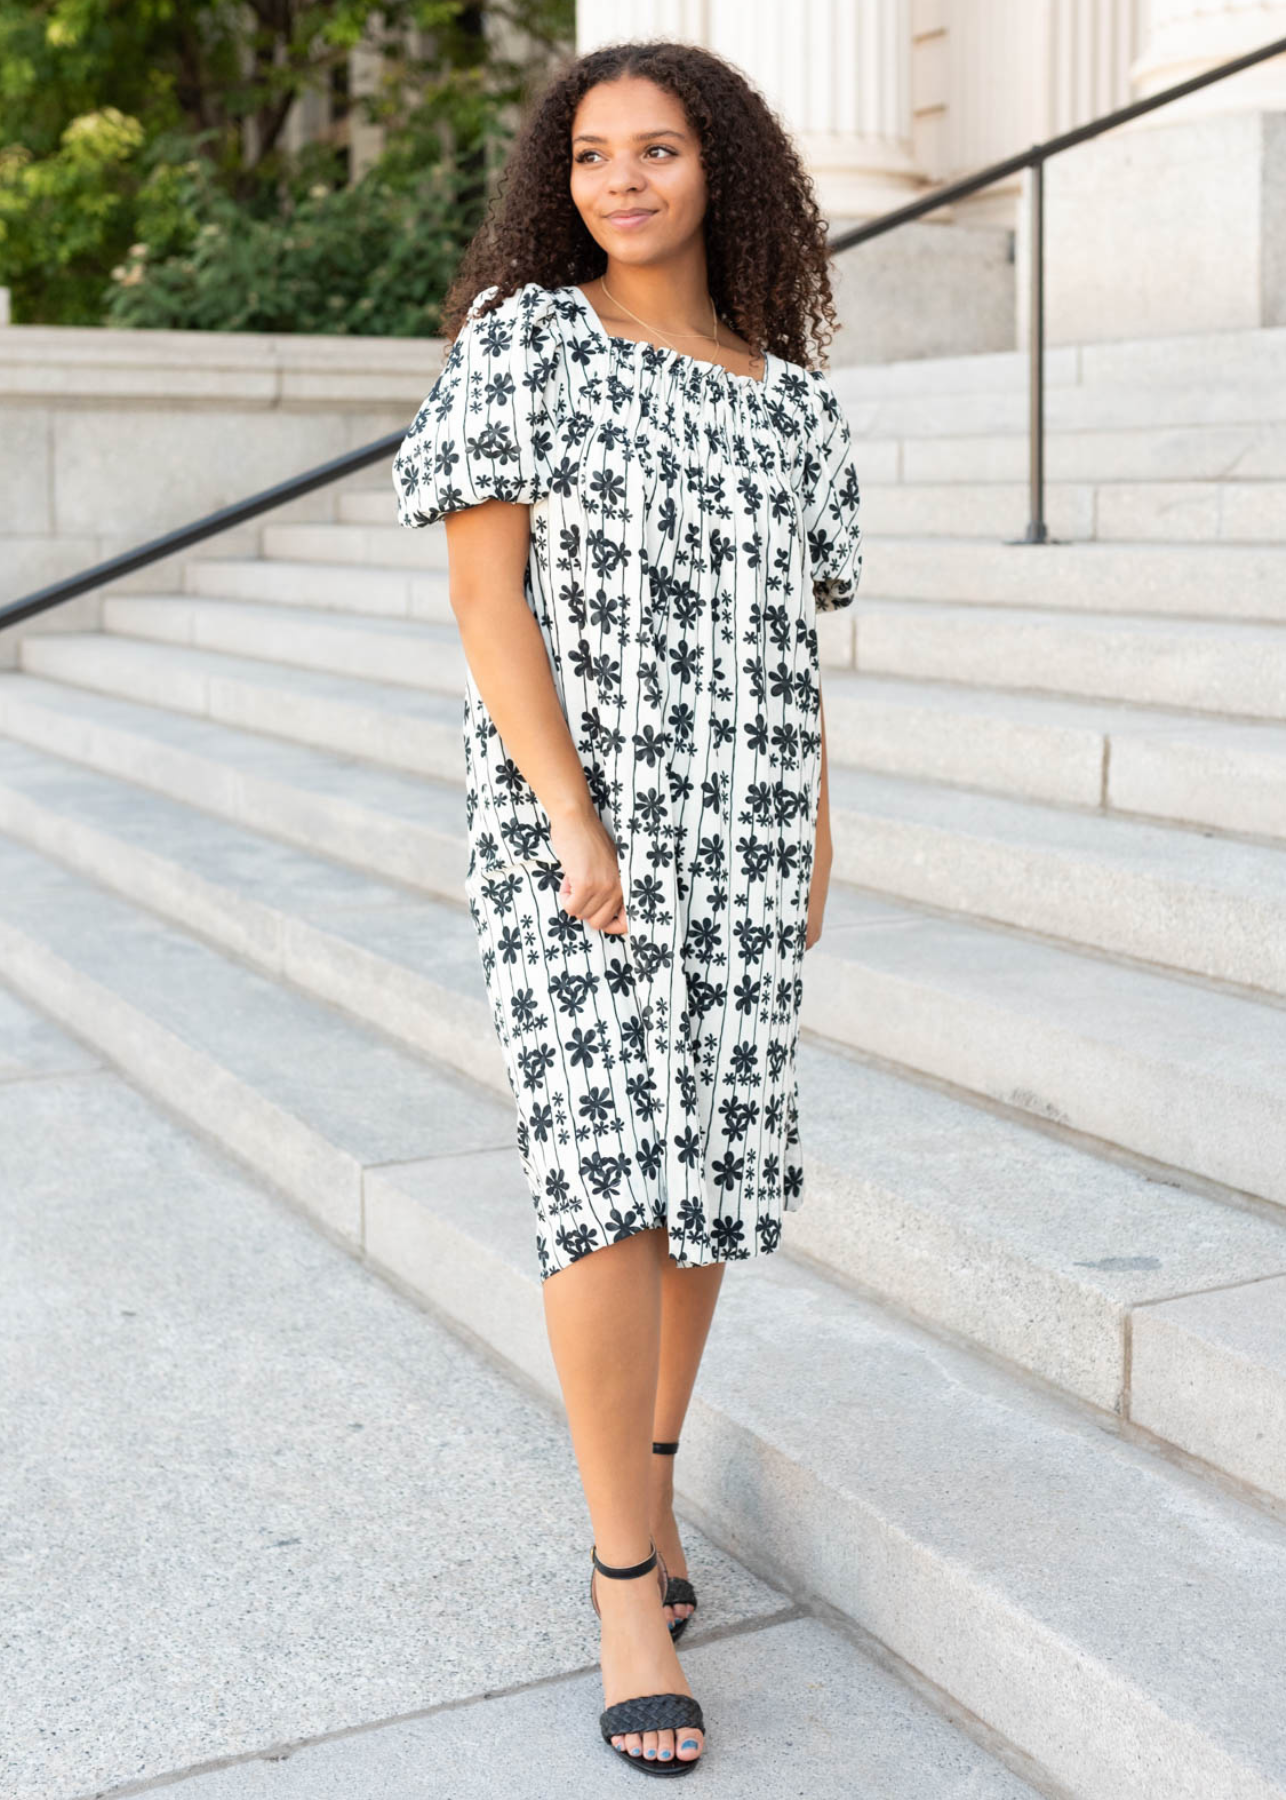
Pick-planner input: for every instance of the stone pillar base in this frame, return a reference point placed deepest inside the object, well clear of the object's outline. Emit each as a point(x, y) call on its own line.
point(1156, 228)
point(923, 290)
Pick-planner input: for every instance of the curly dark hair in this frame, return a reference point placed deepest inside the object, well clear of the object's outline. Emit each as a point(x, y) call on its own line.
point(765, 237)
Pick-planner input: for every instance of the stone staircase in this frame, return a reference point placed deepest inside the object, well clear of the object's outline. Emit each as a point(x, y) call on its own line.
point(1012, 1397)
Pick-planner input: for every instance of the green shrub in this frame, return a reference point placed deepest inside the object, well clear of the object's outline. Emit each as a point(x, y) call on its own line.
point(366, 259)
point(150, 212)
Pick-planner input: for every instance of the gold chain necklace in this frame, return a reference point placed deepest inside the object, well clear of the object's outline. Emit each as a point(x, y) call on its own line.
point(684, 334)
point(714, 320)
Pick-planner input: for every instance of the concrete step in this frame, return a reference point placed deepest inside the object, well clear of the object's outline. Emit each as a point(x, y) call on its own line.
point(1186, 1075)
point(1214, 582)
point(1130, 759)
point(1142, 453)
point(408, 652)
point(1128, 402)
point(1111, 1615)
point(381, 544)
point(993, 1252)
point(1142, 456)
point(414, 589)
point(1232, 669)
point(1191, 360)
point(757, 1674)
point(1163, 512)
point(1180, 899)
point(1134, 760)
point(405, 963)
point(407, 828)
point(396, 726)
point(299, 1091)
point(1211, 907)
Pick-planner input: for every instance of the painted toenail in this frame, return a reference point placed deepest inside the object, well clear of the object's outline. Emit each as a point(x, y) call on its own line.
point(649, 1753)
point(690, 1744)
point(666, 1753)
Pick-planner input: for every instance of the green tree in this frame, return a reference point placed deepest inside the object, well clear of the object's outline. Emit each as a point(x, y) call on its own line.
point(144, 179)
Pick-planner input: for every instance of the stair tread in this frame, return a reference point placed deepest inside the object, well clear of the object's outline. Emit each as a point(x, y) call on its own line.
point(418, 799)
point(1087, 622)
point(1235, 398)
point(1157, 850)
point(1053, 711)
point(107, 651)
point(429, 631)
point(1227, 1036)
point(416, 932)
point(376, 1100)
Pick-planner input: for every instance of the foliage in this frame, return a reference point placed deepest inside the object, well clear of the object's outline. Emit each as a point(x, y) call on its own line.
point(177, 203)
point(362, 259)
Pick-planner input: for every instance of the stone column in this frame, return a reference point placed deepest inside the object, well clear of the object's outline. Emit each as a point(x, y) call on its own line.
point(1185, 37)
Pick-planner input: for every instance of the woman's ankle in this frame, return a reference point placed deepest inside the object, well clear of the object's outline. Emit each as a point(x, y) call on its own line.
point(621, 1553)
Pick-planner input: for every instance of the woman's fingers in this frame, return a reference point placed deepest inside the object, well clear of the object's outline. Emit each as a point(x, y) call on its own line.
point(609, 917)
point(604, 910)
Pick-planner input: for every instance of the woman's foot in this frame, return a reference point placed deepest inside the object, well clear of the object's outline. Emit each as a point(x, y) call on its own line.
point(637, 1657)
point(664, 1529)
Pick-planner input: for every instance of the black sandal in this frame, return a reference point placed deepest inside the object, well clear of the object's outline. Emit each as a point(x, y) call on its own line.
point(678, 1590)
point(646, 1712)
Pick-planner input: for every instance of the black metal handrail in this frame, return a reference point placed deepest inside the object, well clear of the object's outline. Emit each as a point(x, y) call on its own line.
point(352, 460)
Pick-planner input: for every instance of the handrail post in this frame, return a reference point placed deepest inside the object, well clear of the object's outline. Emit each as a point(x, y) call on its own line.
point(1036, 530)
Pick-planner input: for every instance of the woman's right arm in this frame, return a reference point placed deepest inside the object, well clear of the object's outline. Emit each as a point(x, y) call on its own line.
point(488, 546)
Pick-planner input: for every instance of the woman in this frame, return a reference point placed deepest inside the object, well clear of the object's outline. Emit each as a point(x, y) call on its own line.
point(648, 495)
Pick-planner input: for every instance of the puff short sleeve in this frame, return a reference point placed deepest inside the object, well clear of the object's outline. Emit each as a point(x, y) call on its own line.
point(832, 524)
point(485, 430)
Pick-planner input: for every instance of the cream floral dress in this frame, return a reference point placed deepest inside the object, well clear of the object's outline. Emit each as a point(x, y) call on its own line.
point(687, 524)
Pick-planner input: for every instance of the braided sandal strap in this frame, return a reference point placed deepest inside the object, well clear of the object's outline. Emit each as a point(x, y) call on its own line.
point(651, 1712)
point(679, 1591)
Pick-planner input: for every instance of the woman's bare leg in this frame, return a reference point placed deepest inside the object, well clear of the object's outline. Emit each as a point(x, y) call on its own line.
point(603, 1316)
point(688, 1298)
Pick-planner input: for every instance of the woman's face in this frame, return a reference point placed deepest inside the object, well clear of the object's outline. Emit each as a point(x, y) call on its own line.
point(636, 175)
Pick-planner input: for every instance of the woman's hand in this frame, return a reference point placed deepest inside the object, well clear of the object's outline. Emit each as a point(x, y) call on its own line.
point(591, 868)
point(817, 890)
point(823, 849)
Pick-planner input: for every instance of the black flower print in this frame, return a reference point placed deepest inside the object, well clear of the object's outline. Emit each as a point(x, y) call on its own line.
point(687, 525)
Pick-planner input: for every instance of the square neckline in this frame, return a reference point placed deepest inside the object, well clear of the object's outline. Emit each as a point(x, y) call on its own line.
point(702, 363)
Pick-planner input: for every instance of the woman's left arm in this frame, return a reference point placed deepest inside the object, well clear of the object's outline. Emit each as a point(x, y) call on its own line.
point(823, 853)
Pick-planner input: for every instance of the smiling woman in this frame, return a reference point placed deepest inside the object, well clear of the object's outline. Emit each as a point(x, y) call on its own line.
point(644, 750)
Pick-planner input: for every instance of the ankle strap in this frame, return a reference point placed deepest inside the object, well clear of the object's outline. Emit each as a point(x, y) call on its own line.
point(620, 1572)
point(666, 1449)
